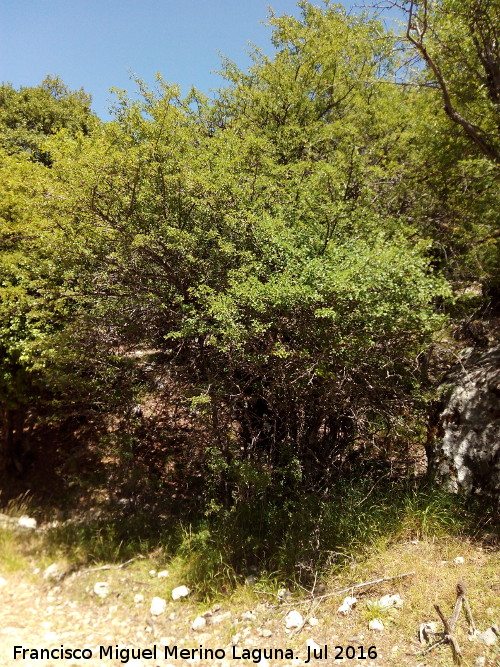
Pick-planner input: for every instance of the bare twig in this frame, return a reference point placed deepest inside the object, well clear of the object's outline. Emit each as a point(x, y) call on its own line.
point(449, 637)
point(364, 584)
point(108, 567)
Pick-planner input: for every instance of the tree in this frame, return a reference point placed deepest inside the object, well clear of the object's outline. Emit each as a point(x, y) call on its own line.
point(240, 237)
point(31, 114)
point(458, 41)
point(450, 182)
point(29, 269)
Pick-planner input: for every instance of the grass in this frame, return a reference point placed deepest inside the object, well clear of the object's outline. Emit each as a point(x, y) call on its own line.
point(427, 534)
point(289, 541)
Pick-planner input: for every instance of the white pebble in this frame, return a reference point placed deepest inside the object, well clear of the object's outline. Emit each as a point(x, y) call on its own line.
point(158, 606)
point(293, 620)
point(199, 623)
point(101, 589)
point(347, 605)
point(376, 624)
point(163, 574)
point(391, 601)
point(311, 644)
point(180, 592)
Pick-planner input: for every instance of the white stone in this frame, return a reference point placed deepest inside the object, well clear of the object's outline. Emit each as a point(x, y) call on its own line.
point(426, 630)
point(54, 571)
point(163, 574)
point(313, 621)
point(101, 589)
point(249, 616)
point(488, 637)
point(138, 598)
point(311, 644)
point(180, 592)
point(198, 624)
point(293, 620)
point(347, 605)
point(376, 624)
point(459, 560)
point(27, 522)
point(3, 582)
point(158, 606)
point(266, 633)
point(221, 617)
point(391, 601)
point(235, 639)
point(480, 662)
point(152, 573)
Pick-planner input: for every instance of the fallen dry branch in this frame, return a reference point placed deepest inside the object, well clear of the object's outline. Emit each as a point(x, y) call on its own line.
point(364, 584)
point(319, 598)
point(449, 625)
point(109, 567)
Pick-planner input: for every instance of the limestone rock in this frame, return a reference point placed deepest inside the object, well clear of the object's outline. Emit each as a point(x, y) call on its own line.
point(311, 644)
point(199, 623)
point(391, 601)
point(163, 574)
point(158, 606)
point(488, 637)
point(26, 522)
point(180, 592)
point(249, 616)
point(464, 443)
point(347, 605)
point(293, 620)
point(376, 624)
point(221, 617)
point(101, 589)
point(54, 572)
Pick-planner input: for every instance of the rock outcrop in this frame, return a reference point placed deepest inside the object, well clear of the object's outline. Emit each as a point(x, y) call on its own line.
point(464, 443)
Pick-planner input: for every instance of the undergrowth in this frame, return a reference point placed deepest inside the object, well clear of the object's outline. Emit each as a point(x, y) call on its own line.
point(290, 540)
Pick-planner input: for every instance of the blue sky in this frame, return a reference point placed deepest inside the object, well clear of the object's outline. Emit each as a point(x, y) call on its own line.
point(94, 44)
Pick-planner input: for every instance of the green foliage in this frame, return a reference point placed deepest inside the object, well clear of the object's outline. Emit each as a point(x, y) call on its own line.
point(282, 247)
point(29, 115)
point(452, 179)
point(253, 248)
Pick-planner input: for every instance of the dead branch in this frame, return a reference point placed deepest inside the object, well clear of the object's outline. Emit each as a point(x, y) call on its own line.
point(449, 625)
point(364, 584)
point(108, 567)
